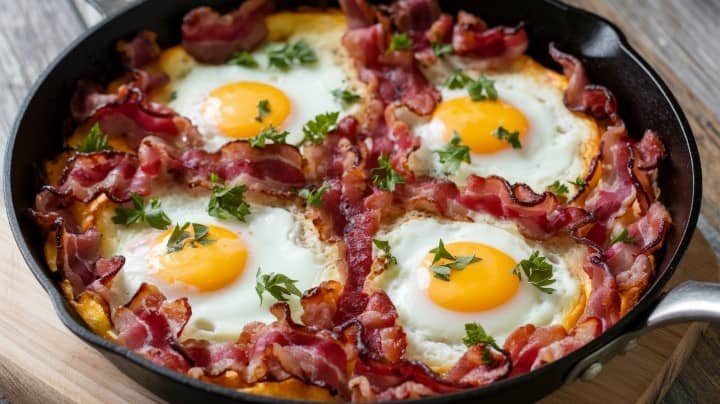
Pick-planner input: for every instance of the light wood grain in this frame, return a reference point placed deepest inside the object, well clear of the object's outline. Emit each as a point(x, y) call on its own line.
point(678, 37)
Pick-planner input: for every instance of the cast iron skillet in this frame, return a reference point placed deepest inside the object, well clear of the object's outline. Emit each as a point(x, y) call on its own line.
point(645, 102)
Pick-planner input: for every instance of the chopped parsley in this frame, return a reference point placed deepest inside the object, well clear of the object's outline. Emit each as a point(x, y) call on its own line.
point(152, 214)
point(95, 141)
point(316, 130)
point(457, 80)
point(559, 189)
point(400, 42)
point(623, 237)
point(579, 182)
point(482, 89)
point(441, 49)
point(313, 195)
point(442, 271)
point(538, 272)
point(268, 134)
point(243, 58)
point(345, 96)
point(384, 246)
point(453, 154)
point(226, 202)
point(213, 177)
point(511, 137)
point(475, 334)
point(284, 56)
point(173, 96)
point(263, 108)
point(384, 175)
point(180, 237)
point(278, 286)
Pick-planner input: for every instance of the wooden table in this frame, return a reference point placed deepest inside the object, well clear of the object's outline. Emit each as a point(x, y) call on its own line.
point(678, 37)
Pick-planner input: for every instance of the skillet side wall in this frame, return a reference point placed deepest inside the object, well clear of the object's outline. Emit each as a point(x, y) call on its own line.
point(644, 103)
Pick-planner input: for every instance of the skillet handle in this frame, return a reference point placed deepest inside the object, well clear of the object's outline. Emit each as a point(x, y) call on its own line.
point(108, 7)
point(689, 301)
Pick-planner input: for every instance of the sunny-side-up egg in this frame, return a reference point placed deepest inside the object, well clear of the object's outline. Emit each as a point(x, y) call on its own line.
point(222, 100)
point(555, 143)
point(218, 277)
point(434, 311)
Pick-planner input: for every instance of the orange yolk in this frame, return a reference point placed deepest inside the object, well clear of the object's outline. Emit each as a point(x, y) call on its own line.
point(238, 108)
point(480, 286)
point(205, 267)
point(476, 122)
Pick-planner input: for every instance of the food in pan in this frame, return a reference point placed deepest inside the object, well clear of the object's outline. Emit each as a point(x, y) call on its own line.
point(381, 203)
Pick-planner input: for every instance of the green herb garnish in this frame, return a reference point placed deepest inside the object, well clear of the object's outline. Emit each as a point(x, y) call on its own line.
point(457, 80)
point(278, 285)
point(458, 263)
point(453, 154)
point(511, 137)
point(400, 42)
point(482, 89)
point(284, 56)
point(559, 189)
point(313, 195)
point(152, 214)
point(384, 246)
point(95, 141)
point(579, 182)
point(180, 237)
point(385, 176)
point(538, 272)
point(441, 49)
point(263, 108)
point(229, 202)
point(268, 134)
point(475, 334)
point(243, 58)
point(316, 130)
point(623, 237)
point(345, 96)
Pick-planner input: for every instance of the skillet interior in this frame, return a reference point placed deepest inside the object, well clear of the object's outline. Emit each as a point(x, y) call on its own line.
point(644, 102)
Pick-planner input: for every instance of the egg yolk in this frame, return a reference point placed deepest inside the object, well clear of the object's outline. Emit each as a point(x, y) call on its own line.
point(206, 267)
point(238, 116)
point(480, 286)
point(477, 121)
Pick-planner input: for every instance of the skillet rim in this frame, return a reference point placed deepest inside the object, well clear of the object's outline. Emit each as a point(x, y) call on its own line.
point(627, 323)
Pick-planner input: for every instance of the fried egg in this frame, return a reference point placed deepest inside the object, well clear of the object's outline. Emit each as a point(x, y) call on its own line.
point(556, 144)
point(434, 311)
point(222, 100)
point(219, 277)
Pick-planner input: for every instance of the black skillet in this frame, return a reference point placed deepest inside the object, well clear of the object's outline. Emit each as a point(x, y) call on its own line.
point(645, 102)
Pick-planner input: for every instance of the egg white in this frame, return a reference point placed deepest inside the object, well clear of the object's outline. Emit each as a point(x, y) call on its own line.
point(277, 240)
point(434, 333)
point(555, 147)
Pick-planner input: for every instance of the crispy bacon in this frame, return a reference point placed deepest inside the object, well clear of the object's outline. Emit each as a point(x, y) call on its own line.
point(359, 13)
point(524, 344)
point(479, 366)
point(603, 304)
point(213, 38)
point(490, 46)
point(580, 335)
point(582, 96)
point(538, 216)
point(150, 325)
point(139, 51)
point(89, 96)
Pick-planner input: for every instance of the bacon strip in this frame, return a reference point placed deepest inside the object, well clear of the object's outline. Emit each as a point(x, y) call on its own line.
point(213, 38)
point(139, 51)
point(492, 46)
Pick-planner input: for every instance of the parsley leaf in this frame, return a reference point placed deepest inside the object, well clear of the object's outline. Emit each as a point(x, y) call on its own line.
point(559, 189)
point(538, 272)
point(278, 285)
point(284, 56)
point(457, 263)
point(315, 131)
point(243, 58)
point(95, 141)
point(623, 237)
point(475, 334)
point(180, 236)
point(173, 96)
point(400, 42)
point(213, 177)
point(579, 182)
point(453, 154)
point(263, 108)
point(441, 49)
point(313, 195)
point(345, 97)
point(457, 80)
point(511, 137)
point(384, 176)
point(227, 202)
point(269, 133)
point(153, 214)
point(384, 246)
point(482, 89)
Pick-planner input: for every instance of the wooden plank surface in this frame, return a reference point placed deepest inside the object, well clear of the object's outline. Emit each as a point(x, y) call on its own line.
point(678, 37)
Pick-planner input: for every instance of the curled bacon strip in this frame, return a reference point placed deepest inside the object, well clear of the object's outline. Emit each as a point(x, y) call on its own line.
point(212, 38)
point(538, 215)
point(139, 51)
point(493, 46)
point(150, 325)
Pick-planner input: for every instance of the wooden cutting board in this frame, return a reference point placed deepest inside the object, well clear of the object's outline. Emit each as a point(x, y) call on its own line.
point(41, 361)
